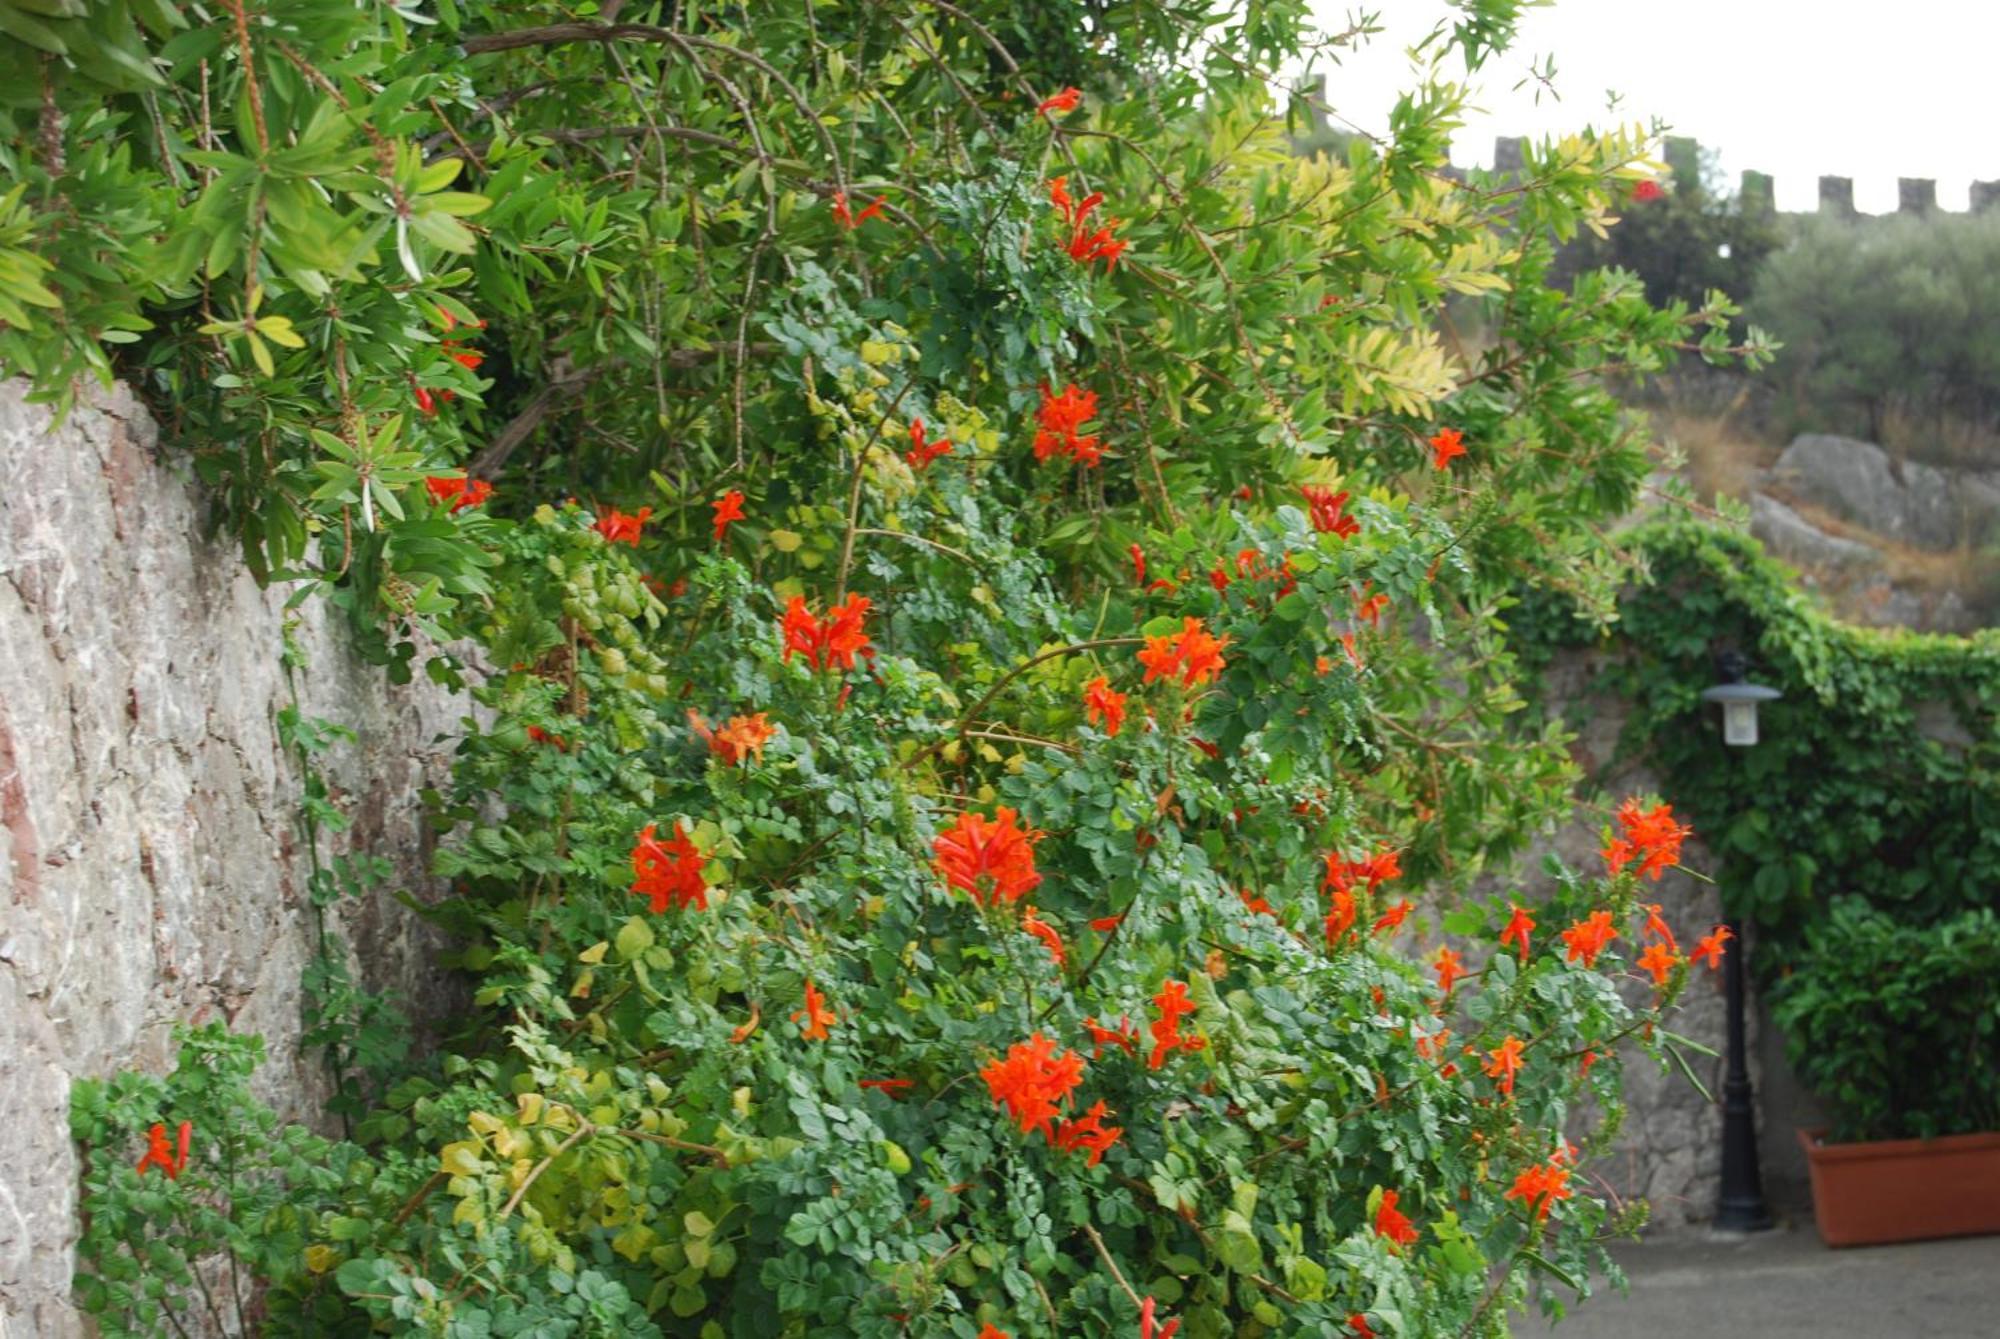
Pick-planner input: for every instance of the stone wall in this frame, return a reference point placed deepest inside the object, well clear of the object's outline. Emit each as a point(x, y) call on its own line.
point(150, 867)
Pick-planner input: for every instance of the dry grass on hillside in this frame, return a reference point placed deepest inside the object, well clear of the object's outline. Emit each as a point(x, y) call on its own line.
point(1722, 459)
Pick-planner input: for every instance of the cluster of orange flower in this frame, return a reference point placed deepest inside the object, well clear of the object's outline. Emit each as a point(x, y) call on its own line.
point(669, 873)
point(1650, 836)
point(619, 528)
point(1059, 423)
point(170, 1159)
point(1341, 876)
point(831, 642)
point(1084, 245)
point(990, 860)
point(1033, 1082)
point(1104, 705)
point(1329, 512)
point(1539, 1187)
point(1173, 1004)
point(458, 490)
point(1193, 655)
point(922, 450)
point(741, 737)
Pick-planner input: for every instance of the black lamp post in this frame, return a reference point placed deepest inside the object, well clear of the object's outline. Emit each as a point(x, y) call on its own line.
point(1741, 1207)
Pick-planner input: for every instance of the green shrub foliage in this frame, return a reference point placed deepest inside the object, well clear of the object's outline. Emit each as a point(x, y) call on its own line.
point(902, 890)
point(1897, 1026)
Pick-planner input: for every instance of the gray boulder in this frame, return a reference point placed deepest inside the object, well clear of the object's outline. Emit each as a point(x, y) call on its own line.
point(1914, 504)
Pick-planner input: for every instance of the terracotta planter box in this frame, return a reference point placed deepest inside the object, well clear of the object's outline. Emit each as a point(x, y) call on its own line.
point(1904, 1189)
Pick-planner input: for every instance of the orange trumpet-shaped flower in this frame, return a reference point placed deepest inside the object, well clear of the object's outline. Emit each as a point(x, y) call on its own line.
point(741, 737)
point(170, 1159)
point(1032, 1081)
point(1449, 970)
point(923, 451)
point(1328, 512)
point(1709, 947)
point(815, 1018)
point(1657, 927)
point(619, 528)
point(1193, 655)
point(1064, 101)
point(1341, 918)
point(829, 643)
point(1104, 705)
point(1059, 423)
point(1651, 837)
point(1042, 930)
point(1518, 926)
point(1124, 1036)
point(669, 872)
point(1173, 1004)
point(1588, 938)
point(1446, 447)
point(728, 509)
point(1540, 1187)
point(1089, 1132)
point(1505, 1064)
point(1393, 918)
point(1392, 1223)
point(991, 860)
point(1660, 961)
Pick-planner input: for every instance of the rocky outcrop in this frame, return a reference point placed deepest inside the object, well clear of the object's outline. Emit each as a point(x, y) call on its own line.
point(1891, 543)
point(150, 865)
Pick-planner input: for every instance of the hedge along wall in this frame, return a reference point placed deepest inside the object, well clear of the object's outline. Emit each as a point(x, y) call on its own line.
point(1874, 778)
point(151, 864)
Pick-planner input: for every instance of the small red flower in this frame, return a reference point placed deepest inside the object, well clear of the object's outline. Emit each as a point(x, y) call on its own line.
point(827, 643)
point(1584, 1063)
point(1042, 930)
point(1647, 191)
point(890, 1087)
point(1449, 970)
point(1359, 1324)
point(1505, 1064)
point(1368, 608)
point(1517, 930)
point(1256, 904)
point(1393, 918)
point(1173, 1004)
point(425, 400)
point(669, 873)
point(991, 860)
point(1650, 836)
point(1446, 447)
point(922, 452)
point(1064, 101)
point(1032, 1081)
point(1192, 655)
point(990, 1331)
point(458, 490)
point(1104, 705)
point(728, 508)
point(1149, 1328)
point(619, 528)
point(1059, 423)
point(1124, 1036)
point(1085, 246)
point(815, 1018)
point(1088, 1132)
point(170, 1159)
point(849, 219)
point(1710, 947)
point(1329, 512)
point(741, 737)
point(1390, 1222)
point(1341, 919)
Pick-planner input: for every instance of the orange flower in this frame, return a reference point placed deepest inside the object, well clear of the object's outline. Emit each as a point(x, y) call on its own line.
point(1445, 447)
point(827, 643)
point(1148, 1329)
point(814, 1019)
point(742, 1033)
point(1032, 1081)
point(1651, 837)
point(1505, 1063)
point(1449, 969)
point(1124, 1036)
point(669, 872)
point(922, 452)
point(890, 1087)
point(989, 1331)
point(1045, 932)
point(728, 508)
point(1369, 609)
point(1710, 947)
point(1584, 1063)
point(1393, 918)
point(1173, 1004)
point(1064, 101)
point(1104, 705)
point(741, 737)
point(1353, 653)
point(1540, 1187)
point(1659, 960)
point(990, 860)
point(849, 219)
point(1059, 422)
point(1390, 1222)
point(1341, 919)
point(1192, 654)
point(1255, 903)
point(1358, 1323)
point(1085, 246)
point(1517, 931)
point(619, 528)
point(1656, 927)
point(1329, 512)
point(1088, 1132)
point(1588, 938)
point(1432, 1046)
point(458, 490)
point(1104, 925)
point(169, 1159)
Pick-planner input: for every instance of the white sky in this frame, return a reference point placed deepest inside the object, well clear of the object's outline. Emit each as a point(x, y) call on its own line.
point(1796, 88)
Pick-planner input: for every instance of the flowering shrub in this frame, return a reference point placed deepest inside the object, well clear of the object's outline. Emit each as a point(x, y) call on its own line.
point(1034, 949)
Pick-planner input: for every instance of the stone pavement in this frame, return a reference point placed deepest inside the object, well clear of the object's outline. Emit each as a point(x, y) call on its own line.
point(1785, 1285)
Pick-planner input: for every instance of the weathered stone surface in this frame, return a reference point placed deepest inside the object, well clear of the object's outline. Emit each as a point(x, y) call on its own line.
point(1798, 541)
point(150, 869)
point(1860, 482)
